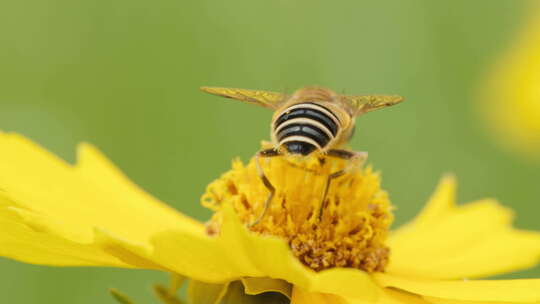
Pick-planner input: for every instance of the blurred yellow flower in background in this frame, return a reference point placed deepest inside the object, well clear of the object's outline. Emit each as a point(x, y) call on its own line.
point(89, 214)
point(511, 99)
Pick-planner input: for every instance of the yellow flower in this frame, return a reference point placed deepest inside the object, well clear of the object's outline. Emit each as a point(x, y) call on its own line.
point(89, 214)
point(511, 98)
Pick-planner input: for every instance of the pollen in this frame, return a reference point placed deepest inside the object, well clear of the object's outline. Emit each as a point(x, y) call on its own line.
point(346, 228)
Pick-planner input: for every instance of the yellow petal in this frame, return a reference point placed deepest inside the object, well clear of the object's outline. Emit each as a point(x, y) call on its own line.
point(447, 241)
point(236, 295)
point(392, 296)
point(28, 237)
point(238, 253)
point(527, 291)
point(255, 286)
point(205, 258)
point(446, 301)
point(204, 293)
point(385, 296)
point(66, 203)
point(92, 212)
point(30, 242)
point(300, 296)
point(133, 254)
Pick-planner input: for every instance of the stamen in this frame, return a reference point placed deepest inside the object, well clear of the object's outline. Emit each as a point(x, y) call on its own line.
point(355, 218)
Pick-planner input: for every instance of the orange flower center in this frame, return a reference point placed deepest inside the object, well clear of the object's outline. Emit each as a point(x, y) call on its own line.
point(351, 229)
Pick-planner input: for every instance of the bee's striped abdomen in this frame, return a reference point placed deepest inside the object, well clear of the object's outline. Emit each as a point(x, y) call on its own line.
point(304, 127)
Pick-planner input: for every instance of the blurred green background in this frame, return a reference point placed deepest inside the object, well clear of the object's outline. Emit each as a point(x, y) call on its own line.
point(124, 75)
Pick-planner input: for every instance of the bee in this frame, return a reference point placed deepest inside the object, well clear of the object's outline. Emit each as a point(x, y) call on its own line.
point(312, 119)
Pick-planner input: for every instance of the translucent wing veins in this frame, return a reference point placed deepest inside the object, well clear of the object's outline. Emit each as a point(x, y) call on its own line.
point(365, 103)
point(266, 99)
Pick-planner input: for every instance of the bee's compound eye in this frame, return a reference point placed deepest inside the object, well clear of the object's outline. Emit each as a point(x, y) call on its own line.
point(299, 147)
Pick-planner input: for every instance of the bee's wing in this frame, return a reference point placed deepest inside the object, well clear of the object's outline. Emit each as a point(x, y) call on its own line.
point(266, 99)
point(361, 104)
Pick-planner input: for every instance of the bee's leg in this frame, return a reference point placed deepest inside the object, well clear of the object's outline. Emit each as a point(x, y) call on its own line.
point(355, 160)
point(265, 153)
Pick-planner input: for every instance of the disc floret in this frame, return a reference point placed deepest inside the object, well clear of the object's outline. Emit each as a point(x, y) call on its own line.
point(349, 232)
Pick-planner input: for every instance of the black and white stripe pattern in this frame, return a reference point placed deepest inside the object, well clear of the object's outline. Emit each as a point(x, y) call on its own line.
point(304, 127)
